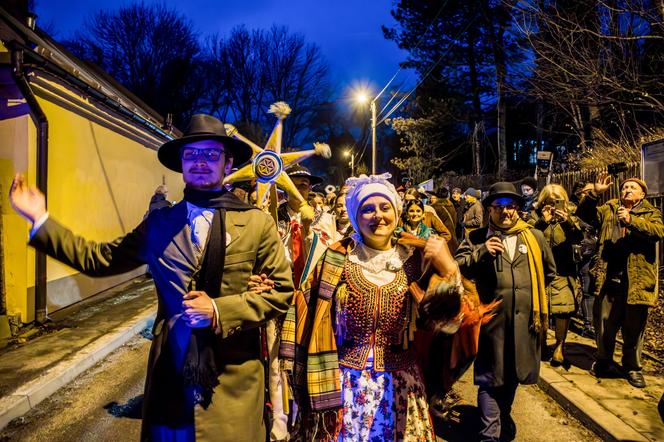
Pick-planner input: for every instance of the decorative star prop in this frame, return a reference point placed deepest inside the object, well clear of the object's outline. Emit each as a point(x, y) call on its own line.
point(268, 164)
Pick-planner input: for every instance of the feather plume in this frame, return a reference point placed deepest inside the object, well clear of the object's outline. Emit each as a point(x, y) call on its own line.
point(280, 109)
point(323, 150)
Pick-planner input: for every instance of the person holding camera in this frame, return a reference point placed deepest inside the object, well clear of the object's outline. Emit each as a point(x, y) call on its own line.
point(586, 255)
point(510, 261)
point(562, 231)
point(625, 272)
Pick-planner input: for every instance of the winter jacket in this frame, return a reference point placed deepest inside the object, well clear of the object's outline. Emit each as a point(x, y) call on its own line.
point(634, 254)
point(562, 237)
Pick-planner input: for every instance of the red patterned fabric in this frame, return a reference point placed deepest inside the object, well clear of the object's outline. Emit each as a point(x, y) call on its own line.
point(298, 252)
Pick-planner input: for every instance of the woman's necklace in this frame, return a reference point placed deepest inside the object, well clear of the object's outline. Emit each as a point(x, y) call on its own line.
point(413, 231)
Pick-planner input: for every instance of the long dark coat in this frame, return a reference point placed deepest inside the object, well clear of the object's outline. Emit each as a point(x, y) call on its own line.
point(163, 241)
point(509, 350)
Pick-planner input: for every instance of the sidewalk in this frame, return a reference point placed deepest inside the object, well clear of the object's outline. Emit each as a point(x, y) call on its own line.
point(612, 408)
point(32, 371)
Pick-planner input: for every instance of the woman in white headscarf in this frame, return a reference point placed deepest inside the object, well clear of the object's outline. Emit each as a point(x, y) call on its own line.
point(350, 334)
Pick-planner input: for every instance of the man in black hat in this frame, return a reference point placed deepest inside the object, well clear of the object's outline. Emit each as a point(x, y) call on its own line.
point(306, 236)
point(206, 378)
point(508, 261)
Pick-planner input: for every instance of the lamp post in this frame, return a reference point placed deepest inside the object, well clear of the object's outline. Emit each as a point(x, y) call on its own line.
point(351, 154)
point(363, 97)
point(373, 136)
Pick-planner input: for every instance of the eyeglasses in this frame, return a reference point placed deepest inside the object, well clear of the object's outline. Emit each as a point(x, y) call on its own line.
point(190, 154)
point(500, 207)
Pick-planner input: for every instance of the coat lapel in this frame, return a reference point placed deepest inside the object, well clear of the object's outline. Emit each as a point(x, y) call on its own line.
point(183, 240)
point(518, 251)
point(234, 225)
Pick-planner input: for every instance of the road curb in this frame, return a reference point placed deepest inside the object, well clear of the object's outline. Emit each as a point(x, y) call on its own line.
point(27, 396)
point(586, 409)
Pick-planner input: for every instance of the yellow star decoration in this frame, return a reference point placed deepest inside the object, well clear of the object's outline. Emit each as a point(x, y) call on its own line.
point(269, 165)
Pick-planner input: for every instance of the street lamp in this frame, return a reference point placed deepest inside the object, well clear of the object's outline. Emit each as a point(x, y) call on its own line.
point(362, 97)
point(351, 154)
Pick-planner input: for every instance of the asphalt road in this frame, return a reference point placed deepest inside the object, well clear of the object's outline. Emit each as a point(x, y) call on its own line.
point(104, 405)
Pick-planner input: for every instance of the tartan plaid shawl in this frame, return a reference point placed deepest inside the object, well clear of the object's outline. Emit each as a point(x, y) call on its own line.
point(308, 349)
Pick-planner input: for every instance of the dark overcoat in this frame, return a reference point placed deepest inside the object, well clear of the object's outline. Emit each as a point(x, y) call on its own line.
point(164, 242)
point(509, 349)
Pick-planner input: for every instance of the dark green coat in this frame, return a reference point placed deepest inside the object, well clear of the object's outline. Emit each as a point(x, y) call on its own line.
point(561, 237)
point(639, 247)
point(163, 241)
point(509, 350)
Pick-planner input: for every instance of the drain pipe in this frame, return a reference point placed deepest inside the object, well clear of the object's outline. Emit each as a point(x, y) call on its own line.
point(41, 122)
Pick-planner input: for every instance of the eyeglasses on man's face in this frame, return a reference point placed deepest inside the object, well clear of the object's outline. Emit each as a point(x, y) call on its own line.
point(191, 154)
point(501, 207)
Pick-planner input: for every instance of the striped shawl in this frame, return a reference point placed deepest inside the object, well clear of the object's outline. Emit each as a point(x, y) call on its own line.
point(308, 347)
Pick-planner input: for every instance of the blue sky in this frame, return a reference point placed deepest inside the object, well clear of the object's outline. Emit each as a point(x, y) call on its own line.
point(347, 31)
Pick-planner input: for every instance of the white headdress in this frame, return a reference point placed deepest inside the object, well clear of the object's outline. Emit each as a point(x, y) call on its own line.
point(365, 186)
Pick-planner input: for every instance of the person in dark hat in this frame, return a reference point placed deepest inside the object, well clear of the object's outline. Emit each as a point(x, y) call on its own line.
point(206, 378)
point(529, 191)
point(473, 217)
point(511, 262)
point(306, 237)
point(626, 272)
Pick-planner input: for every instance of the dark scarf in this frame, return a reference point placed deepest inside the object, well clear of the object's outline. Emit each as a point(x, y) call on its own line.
point(201, 365)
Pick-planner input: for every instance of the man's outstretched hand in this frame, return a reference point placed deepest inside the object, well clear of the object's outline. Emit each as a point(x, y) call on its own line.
point(29, 202)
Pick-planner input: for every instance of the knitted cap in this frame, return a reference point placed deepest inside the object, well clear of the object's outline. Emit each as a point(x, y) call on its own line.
point(473, 192)
point(638, 181)
point(530, 182)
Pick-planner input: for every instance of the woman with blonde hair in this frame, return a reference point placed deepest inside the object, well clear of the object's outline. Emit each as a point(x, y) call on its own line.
point(562, 230)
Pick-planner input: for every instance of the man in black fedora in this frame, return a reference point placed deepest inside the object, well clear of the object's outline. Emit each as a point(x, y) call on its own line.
point(509, 261)
point(305, 237)
point(206, 378)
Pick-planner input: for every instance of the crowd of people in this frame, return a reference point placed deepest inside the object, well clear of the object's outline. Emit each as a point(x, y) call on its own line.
point(563, 257)
point(349, 317)
point(552, 249)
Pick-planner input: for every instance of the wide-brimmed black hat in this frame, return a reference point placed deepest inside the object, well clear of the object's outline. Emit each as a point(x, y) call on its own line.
point(299, 170)
point(203, 127)
point(502, 189)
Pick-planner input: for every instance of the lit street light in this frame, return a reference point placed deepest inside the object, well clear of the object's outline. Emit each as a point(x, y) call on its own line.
point(351, 154)
point(362, 97)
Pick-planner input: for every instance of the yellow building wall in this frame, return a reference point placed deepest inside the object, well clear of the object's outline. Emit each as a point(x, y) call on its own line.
point(17, 154)
point(99, 185)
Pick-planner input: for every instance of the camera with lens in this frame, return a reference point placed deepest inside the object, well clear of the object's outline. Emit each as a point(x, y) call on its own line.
point(616, 168)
